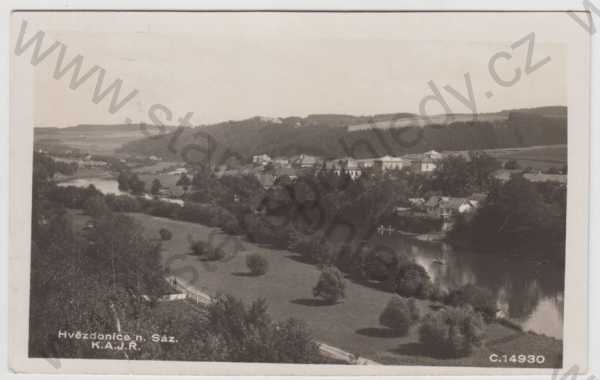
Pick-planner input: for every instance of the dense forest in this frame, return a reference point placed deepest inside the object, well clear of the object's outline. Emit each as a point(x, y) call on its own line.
point(329, 136)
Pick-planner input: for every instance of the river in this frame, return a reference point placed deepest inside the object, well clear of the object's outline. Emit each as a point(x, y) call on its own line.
point(529, 293)
point(109, 186)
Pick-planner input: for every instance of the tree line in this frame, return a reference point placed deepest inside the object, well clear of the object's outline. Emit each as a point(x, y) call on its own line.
point(214, 144)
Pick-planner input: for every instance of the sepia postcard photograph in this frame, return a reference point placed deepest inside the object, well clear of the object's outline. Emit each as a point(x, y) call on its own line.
point(299, 192)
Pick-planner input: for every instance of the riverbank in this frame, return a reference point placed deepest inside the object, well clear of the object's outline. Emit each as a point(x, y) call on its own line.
point(352, 325)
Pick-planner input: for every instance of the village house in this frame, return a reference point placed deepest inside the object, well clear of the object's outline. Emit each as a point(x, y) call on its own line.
point(283, 171)
point(178, 171)
point(353, 168)
point(365, 162)
point(391, 163)
point(305, 161)
point(416, 202)
point(281, 162)
point(261, 159)
point(347, 165)
point(433, 155)
point(445, 207)
point(426, 165)
point(423, 162)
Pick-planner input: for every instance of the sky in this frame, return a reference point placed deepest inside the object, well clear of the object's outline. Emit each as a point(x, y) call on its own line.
point(231, 66)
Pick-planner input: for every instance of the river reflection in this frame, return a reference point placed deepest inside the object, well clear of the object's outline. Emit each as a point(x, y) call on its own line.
point(104, 185)
point(529, 293)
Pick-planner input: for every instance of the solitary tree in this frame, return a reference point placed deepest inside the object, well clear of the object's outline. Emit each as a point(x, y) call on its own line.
point(257, 264)
point(123, 181)
point(136, 185)
point(165, 234)
point(399, 314)
point(331, 285)
point(412, 280)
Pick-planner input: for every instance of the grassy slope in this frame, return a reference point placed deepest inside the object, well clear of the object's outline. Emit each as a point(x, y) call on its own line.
point(542, 157)
point(352, 325)
point(97, 141)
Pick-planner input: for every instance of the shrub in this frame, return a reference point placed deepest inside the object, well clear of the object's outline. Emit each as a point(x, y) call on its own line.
point(199, 247)
point(331, 285)
point(412, 280)
point(399, 314)
point(257, 264)
point(451, 332)
point(481, 299)
point(165, 234)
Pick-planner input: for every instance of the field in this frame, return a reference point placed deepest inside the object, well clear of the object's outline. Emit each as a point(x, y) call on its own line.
point(434, 119)
point(89, 140)
point(537, 157)
point(351, 325)
point(158, 167)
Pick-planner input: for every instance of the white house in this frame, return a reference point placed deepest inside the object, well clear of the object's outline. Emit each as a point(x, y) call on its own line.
point(347, 165)
point(433, 155)
point(261, 159)
point(391, 163)
point(306, 161)
point(426, 162)
point(427, 165)
point(178, 171)
point(281, 162)
point(353, 168)
point(366, 162)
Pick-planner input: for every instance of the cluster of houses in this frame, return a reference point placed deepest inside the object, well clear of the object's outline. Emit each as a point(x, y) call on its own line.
point(354, 167)
point(444, 207)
